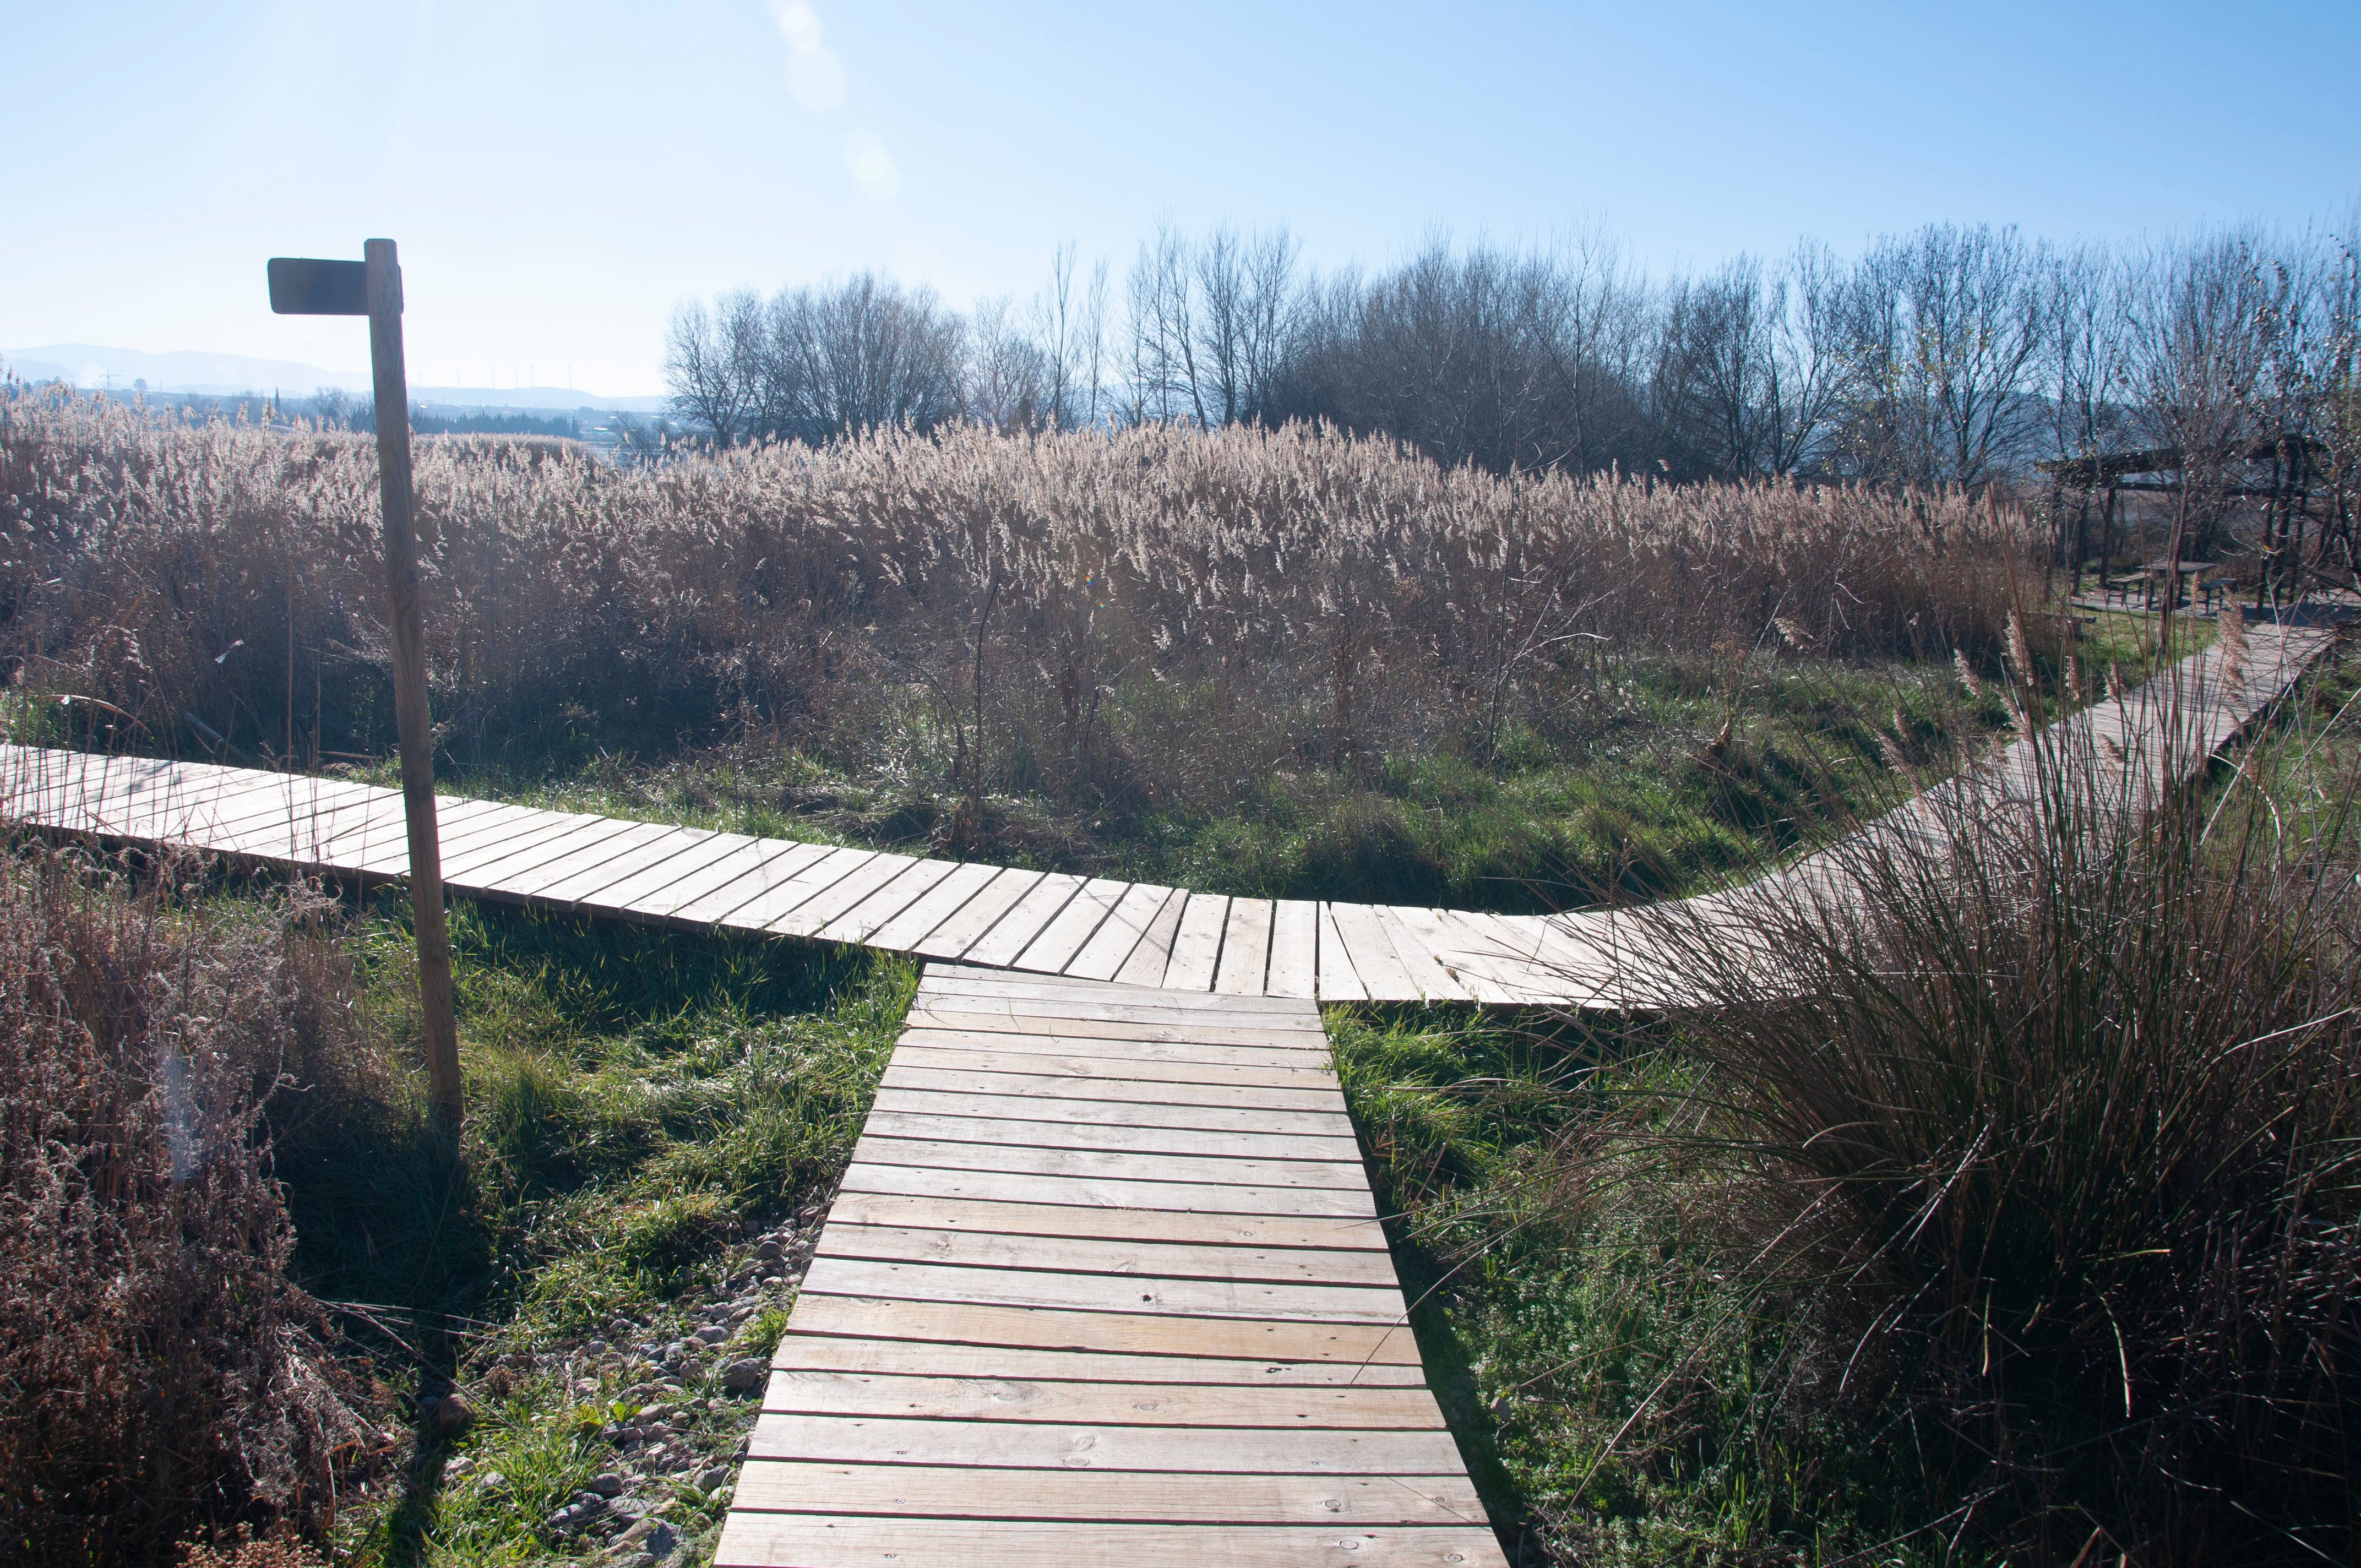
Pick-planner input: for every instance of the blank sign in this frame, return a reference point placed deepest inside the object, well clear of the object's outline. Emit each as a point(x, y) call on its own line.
point(301, 286)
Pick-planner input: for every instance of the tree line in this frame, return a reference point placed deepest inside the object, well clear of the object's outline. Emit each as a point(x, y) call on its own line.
point(1953, 356)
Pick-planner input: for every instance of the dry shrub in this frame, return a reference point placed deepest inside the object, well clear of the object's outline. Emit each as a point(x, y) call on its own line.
point(1162, 614)
point(2057, 1135)
point(164, 1375)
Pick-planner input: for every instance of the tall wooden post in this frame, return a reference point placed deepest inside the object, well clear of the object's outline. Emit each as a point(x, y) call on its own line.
point(372, 287)
point(413, 722)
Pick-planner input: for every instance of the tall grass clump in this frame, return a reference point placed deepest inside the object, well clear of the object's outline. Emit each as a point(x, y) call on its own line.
point(1151, 619)
point(164, 1379)
point(2039, 1154)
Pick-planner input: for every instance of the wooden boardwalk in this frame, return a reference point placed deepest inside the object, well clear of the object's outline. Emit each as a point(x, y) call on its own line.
point(1047, 923)
point(1104, 1283)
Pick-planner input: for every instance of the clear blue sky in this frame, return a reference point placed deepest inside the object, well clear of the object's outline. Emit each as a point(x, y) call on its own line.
point(559, 174)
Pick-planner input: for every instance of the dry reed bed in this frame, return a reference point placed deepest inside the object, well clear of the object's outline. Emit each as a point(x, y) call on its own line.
point(1161, 612)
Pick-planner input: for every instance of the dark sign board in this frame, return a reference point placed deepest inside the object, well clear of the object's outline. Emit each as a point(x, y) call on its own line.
point(301, 286)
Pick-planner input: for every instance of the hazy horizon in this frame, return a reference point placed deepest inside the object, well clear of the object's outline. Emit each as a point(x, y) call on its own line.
point(559, 177)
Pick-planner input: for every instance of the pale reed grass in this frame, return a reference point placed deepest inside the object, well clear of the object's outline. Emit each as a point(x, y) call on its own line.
point(1162, 614)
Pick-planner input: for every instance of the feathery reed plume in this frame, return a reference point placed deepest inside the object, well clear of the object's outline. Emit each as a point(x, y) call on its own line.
point(2233, 636)
point(1967, 676)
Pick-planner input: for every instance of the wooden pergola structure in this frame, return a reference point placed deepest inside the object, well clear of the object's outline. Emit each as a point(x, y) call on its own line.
point(2297, 466)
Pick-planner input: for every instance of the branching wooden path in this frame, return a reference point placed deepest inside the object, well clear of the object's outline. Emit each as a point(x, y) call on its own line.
point(1048, 923)
point(1104, 1282)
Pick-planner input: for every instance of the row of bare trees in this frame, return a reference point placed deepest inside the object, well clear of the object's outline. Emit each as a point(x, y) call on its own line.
point(1953, 356)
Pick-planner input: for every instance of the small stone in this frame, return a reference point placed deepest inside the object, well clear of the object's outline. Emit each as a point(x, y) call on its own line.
point(661, 1541)
point(621, 1327)
point(607, 1485)
point(452, 1415)
point(708, 1480)
point(769, 1250)
point(772, 1282)
point(596, 1347)
point(713, 1334)
point(744, 1375)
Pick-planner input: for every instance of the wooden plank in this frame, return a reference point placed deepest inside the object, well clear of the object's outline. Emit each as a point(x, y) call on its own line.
point(1114, 1165)
point(785, 894)
point(715, 893)
point(1211, 1024)
point(938, 904)
point(949, 1492)
point(592, 863)
point(1218, 1450)
point(1106, 1293)
point(860, 921)
point(1000, 990)
point(962, 929)
point(1139, 1106)
point(1197, 947)
point(950, 1051)
point(664, 883)
point(820, 1540)
point(497, 855)
point(1322, 1123)
point(387, 854)
point(932, 1358)
point(1413, 947)
point(1299, 1407)
point(1093, 1255)
point(1086, 1187)
point(1041, 1086)
point(1073, 1133)
point(1383, 976)
point(664, 849)
point(1245, 963)
point(1103, 957)
point(1024, 920)
point(871, 1318)
point(971, 1215)
point(1209, 1064)
point(1294, 949)
point(1338, 981)
point(1114, 1034)
point(1442, 943)
point(1073, 927)
point(1150, 955)
point(878, 875)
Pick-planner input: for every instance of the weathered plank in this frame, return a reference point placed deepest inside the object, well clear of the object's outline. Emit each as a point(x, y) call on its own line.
point(753, 1539)
point(1089, 1254)
point(1104, 956)
point(1162, 1225)
point(1299, 1407)
point(1105, 1333)
point(1197, 945)
point(1074, 925)
point(928, 1492)
point(947, 1358)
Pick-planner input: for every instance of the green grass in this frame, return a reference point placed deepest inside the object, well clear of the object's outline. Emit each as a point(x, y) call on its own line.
point(635, 1098)
point(1689, 773)
point(1552, 1312)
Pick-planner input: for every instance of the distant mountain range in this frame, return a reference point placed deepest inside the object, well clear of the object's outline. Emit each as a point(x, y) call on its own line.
point(217, 375)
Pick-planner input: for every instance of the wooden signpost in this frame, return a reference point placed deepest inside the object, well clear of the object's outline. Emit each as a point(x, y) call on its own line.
point(373, 288)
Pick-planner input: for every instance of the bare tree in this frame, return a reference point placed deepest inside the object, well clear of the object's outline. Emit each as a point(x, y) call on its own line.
point(1945, 328)
point(861, 355)
point(1164, 381)
point(1012, 376)
point(714, 363)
